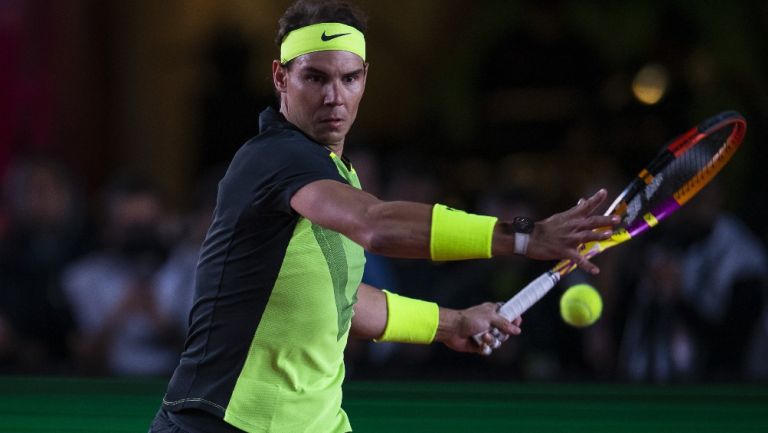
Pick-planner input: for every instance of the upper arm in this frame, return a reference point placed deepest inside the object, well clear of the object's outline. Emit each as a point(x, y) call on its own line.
point(395, 229)
point(337, 206)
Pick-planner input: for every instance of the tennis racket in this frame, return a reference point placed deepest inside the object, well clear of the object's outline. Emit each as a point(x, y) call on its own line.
point(677, 173)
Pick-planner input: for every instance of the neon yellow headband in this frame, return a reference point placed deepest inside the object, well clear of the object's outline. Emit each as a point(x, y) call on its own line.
point(322, 37)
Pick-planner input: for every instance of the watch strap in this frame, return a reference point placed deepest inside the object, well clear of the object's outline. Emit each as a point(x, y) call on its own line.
point(521, 243)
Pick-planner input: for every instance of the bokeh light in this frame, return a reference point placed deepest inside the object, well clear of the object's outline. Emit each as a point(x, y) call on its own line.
point(650, 83)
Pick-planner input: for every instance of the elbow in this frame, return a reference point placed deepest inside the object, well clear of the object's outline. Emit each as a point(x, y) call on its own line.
point(375, 242)
point(374, 236)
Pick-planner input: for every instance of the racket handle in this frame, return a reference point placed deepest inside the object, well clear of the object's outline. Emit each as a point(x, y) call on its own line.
point(521, 302)
point(524, 299)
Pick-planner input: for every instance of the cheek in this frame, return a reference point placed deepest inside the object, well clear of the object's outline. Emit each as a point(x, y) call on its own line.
point(355, 96)
point(309, 94)
point(355, 103)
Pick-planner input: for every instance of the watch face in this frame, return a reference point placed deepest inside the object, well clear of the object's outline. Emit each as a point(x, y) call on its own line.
point(523, 225)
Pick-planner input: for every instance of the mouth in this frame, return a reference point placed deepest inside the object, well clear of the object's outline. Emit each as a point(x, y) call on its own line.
point(333, 122)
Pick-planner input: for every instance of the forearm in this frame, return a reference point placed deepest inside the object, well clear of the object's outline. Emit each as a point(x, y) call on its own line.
point(370, 317)
point(389, 317)
point(399, 229)
point(415, 230)
point(386, 316)
point(503, 243)
point(449, 324)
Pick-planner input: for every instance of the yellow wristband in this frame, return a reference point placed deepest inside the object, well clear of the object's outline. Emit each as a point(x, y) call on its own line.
point(457, 235)
point(410, 320)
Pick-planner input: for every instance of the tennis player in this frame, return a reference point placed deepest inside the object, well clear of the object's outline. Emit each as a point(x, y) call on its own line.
point(278, 284)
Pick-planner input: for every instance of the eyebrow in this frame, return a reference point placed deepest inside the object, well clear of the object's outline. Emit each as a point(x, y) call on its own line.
point(312, 70)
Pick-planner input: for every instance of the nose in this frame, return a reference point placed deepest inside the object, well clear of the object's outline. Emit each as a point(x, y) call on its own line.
point(333, 93)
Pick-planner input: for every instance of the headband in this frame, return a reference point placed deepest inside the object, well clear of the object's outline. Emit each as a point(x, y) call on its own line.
point(322, 37)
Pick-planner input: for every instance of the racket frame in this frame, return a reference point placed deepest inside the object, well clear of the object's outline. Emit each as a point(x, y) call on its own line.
point(536, 289)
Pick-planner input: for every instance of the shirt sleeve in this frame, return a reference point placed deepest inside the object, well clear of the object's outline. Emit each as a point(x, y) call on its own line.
point(279, 167)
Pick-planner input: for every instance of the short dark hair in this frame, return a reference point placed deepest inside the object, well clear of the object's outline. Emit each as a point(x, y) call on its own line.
point(303, 13)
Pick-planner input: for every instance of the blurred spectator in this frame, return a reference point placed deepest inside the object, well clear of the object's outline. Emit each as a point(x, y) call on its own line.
point(699, 297)
point(120, 326)
point(45, 230)
point(176, 278)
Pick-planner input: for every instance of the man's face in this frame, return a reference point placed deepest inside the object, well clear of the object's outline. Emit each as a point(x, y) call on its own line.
point(320, 93)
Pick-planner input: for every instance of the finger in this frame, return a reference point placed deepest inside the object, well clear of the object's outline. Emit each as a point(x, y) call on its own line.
point(496, 344)
point(584, 263)
point(499, 335)
point(592, 235)
point(488, 339)
point(504, 325)
point(498, 338)
point(518, 321)
point(599, 221)
point(590, 205)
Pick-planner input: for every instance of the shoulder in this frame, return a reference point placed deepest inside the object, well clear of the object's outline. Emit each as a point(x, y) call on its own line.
point(280, 154)
point(272, 166)
point(284, 142)
point(278, 139)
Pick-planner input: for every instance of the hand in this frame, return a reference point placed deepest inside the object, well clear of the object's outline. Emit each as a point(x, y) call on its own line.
point(558, 237)
point(457, 327)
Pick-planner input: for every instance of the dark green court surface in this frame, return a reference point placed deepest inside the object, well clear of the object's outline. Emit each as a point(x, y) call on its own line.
point(127, 405)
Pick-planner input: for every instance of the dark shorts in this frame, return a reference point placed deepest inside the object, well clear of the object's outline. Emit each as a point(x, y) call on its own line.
point(189, 421)
point(166, 422)
point(163, 424)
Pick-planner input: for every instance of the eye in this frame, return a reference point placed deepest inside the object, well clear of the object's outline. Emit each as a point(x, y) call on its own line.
point(313, 78)
point(350, 78)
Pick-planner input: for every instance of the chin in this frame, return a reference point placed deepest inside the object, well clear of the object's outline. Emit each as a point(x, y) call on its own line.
point(331, 138)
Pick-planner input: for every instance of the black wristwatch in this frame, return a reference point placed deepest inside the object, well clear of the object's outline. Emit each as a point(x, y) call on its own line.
point(523, 228)
point(523, 225)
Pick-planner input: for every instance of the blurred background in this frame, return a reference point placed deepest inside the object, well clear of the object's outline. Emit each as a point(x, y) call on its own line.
point(117, 119)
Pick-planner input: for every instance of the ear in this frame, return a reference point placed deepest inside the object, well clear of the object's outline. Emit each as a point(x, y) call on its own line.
point(279, 76)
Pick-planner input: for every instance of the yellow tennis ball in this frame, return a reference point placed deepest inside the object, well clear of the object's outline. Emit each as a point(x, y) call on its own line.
point(581, 305)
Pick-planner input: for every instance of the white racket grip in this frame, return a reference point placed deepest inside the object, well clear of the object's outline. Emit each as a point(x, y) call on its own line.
point(520, 303)
point(524, 299)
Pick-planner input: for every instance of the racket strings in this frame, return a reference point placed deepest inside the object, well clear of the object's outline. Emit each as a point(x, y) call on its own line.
point(693, 162)
point(673, 177)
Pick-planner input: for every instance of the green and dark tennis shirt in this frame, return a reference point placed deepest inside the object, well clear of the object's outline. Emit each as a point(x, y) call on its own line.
point(274, 295)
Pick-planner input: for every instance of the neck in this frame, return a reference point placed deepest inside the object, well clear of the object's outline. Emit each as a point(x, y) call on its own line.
point(338, 149)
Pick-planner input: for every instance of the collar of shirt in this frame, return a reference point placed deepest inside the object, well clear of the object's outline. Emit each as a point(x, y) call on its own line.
point(273, 119)
point(270, 119)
